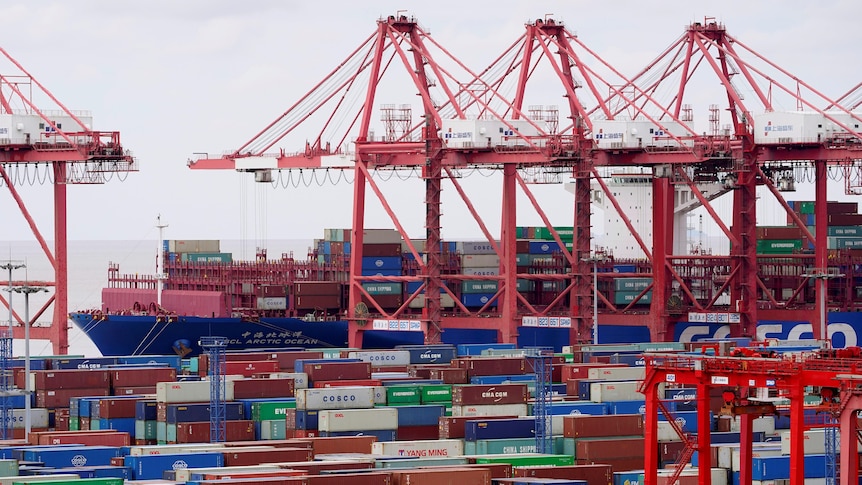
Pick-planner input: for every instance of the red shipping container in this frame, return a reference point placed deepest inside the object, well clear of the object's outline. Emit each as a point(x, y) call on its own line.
point(60, 398)
point(276, 477)
point(413, 433)
point(250, 456)
point(593, 474)
point(314, 302)
point(84, 423)
point(600, 450)
point(247, 368)
point(142, 376)
point(586, 426)
point(117, 408)
point(134, 391)
point(423, 371)
point(498, 470)
point(381, 250)
point(86, 438)
point(261, 388)
point(477, 394)
point(450, 376)
point(347, 383)
point(317, 288)
point(287, 359)
point(72, 379)
point(669, 451)
point(581, 371)
point(200, 432)
point(437, 476)
point(491, 366)
point(616, 464)
point(342, 444)
point(334, 371)
point(365, 478)
point(61, 419)
point(304, 433)
point(315, 467)
point(286, 443)
point(453, 427)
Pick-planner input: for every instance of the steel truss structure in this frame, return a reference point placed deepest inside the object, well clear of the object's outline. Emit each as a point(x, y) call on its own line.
point(536, 146)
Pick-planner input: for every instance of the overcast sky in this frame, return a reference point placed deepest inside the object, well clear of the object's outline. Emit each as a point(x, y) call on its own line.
point(177, 78)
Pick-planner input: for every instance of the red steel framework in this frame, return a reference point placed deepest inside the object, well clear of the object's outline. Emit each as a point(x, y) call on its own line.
point(69, 154)
point(595, 92)
point(833, 377)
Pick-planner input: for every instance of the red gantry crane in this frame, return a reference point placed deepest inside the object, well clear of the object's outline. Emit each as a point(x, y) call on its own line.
point(468, 122)
point(44, 142)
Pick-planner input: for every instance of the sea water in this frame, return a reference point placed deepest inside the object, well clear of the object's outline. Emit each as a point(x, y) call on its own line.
point(88, 263)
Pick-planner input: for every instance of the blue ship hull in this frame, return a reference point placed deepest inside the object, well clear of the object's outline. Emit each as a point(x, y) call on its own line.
point(122, 335)
point(119, 335)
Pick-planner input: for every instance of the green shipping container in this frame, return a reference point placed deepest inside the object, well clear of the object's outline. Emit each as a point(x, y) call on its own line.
point(382, 288)
point(509, 446)
point(844, 243)
point(806, 207)
point(82, 481)
point(778, 246)
point(74, 424)
point(841, 231)
point(402, 395)
point(626, 297)
point(566, 233)
point(528, 460)
point(526, 285)
point(435, 393)
point(214, 258)
point(145, 430)
point(8, 468)
point(162, 431)
point(275, 429)
point(266, 411)
point(478, 286)
point(632, 284)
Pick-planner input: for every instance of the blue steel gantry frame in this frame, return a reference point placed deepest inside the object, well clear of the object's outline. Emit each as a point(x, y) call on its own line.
point(215, 348)
point(540, 360)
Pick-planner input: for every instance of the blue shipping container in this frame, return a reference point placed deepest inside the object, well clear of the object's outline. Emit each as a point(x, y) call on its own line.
point(108, 471)
point(381, 262)
point(478, 299)
point(199, 412)
point(306, 419)
point(430, 354)
point(83, 363)
point(67, 456)
point(146, 410)
point(499, 429)
point(685, 399)
point(174, 361)
point(422, 415)
point(380, 272)
point(150, 467)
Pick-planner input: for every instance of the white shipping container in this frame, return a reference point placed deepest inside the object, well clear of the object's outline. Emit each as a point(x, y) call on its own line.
point(381, 236)
point(382, 358)
point(617, 373)
point(379, 394)
point(666, 432)
point(765, 424)
point(615, 391)
point(300, 379)
point(475, 247)
point(487, 271)
point(726, 452)
point(419, 448)
point(38, 478)
point(349, 397)
point(334, 420)
point(190, 391)
point(446, 301)
point(38, 418)
point(756, 452)
point(793, 127)
point(272, 303)
point(636, 134)
point(490, 410)
point(479, 260)
point(487, 133)
point(185, 474)
point(815, 442)
point(144, 450)
point(718, 476)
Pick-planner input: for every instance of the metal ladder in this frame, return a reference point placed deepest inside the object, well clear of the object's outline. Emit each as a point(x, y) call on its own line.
point(215, 349)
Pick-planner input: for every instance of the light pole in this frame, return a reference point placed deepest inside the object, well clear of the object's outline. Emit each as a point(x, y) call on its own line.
point(595, 259)
point(11, 265)
point(822, 276)
point(6, 339)
point(27, 290)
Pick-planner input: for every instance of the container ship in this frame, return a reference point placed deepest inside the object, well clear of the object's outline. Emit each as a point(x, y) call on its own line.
point(290, 302)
